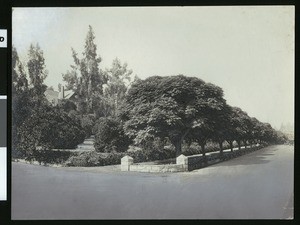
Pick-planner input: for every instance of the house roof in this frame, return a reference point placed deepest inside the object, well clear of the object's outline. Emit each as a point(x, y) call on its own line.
point(51, 94)
point(68, 94)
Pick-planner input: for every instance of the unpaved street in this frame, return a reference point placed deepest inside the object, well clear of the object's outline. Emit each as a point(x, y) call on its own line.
point(258, 185)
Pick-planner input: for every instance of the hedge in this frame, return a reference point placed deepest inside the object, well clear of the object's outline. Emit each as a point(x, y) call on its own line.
point(88, 159)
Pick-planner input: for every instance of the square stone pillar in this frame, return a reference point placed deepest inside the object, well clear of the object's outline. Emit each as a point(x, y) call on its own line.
point(126, 161)
point(182, 160)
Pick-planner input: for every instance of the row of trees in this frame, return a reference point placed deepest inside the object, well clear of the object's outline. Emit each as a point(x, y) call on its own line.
point(186, 109)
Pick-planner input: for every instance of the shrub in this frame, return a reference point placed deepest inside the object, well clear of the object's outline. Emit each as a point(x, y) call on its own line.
point(94, 159)
point(49, 128)
point(193, 149)
point(53, 157)
point(153, 150)
point(75, 116)
point(146, 156)
point(82, 107)
point(110, 136)
point(87, 123)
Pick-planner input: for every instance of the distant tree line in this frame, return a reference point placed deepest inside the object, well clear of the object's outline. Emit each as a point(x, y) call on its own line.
point(121, 110)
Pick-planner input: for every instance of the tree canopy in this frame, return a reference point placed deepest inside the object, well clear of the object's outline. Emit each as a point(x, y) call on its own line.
point(170, 107)
point(36, 124)
point(85, 78)
point(185, 108)
point(119, 78)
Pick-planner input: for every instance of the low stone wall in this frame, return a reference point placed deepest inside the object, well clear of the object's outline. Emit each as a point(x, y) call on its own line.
point(180, 166)
point(195, 162)
point(200, 161)
point(158, 168)
point(185, 163)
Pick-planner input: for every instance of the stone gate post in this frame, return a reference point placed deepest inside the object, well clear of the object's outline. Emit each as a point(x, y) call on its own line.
point(182, 160)
point(126, 161)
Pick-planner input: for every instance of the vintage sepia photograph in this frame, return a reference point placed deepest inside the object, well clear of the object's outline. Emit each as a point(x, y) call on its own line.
point(153, 113)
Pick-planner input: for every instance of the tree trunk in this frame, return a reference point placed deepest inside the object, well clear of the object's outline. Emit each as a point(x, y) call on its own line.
point(245, 143)
point(231, 145)
point(203, 153)
point(189, 143)
point(221, 147)
point(178, 142)
point(178, 148)
point(203, 149)
point(239, 144)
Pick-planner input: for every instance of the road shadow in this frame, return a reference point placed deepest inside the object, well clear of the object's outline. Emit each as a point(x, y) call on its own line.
point(267, 154)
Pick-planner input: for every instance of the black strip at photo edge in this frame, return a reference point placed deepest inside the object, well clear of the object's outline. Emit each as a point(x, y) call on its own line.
point(5, 206)
point(5, 23)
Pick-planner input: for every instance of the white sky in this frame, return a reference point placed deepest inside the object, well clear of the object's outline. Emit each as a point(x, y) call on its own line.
point(248, 51)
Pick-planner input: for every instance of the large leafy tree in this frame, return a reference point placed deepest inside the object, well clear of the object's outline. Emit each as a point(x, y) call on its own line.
point(37, 73)
point(211, 117)
point(169, 107)
point(240, 119)
point(234, 130)
point(21, 100)
point(202, 133)
point(221, 126)
point(255, 129)
point(268, 134)
point(85, 77)
point(19, 79)
point(72, 77)
point(119, 78)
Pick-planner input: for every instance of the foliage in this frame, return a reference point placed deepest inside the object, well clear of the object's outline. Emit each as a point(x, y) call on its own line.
point(19, 80)
point(153, 150)
point(222, 130)
point(92, 158)
point(75, 115)
point(151, 113)
point(240, 123)
point(48, 156)
point(280, 138)
point(21, 102)
point(119, 78)
point(110, 136)
point(48, 128)
point(27, 95)
point(37, 72)
point(67, 105)
point(87, 123)
point(169, 107)
point(212, 122)
point(194, 148)
point(85, 77)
